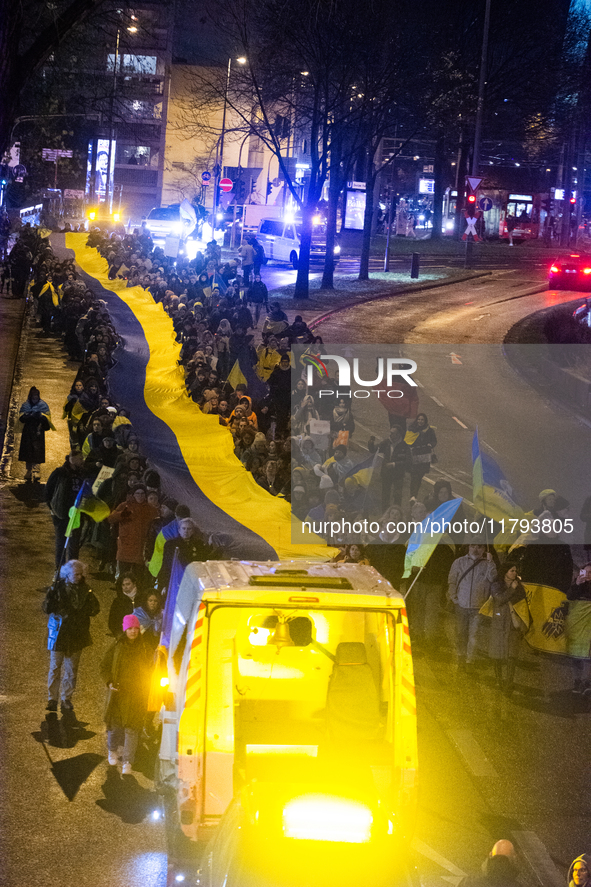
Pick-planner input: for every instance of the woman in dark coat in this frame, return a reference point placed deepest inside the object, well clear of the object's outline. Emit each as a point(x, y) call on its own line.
point(36, 420)
point(422, 441)
point(505, 636)
point(126, 670)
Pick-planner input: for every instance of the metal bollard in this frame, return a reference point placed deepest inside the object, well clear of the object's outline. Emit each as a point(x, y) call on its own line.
point(414, 265)
point(469, 257)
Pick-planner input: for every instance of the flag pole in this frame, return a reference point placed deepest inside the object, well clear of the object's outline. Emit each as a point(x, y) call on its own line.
point(413, 582)
point(483, 493)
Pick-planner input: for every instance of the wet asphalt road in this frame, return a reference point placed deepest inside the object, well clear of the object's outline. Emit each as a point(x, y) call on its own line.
point(489, 767)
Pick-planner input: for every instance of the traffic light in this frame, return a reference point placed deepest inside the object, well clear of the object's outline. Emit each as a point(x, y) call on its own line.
point(240, 191)
point(471, 201)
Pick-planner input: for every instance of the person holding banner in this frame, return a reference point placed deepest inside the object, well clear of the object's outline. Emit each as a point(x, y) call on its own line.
point(578, 630)
point(507, 627)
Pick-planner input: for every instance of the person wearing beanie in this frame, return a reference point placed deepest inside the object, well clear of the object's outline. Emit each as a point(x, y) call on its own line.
point(579, 873)
point(546, 502)
point(126, 670)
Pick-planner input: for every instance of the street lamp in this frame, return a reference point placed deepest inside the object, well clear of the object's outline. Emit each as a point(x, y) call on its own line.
point(219, 163)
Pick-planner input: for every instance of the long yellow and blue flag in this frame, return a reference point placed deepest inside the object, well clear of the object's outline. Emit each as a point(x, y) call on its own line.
point(492, 493)
point(428, 534)
point(86, 503)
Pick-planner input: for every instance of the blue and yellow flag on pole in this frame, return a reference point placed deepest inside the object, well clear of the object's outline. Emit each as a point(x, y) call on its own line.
point(363, 471)
point(492, 493)
point(426, 537)
point(86, 503)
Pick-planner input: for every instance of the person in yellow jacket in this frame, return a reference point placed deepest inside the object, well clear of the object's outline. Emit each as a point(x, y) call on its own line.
point(268, 358)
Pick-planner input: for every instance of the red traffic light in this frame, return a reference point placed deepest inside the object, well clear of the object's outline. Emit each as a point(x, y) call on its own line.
point(573, 200)
point(471, 198)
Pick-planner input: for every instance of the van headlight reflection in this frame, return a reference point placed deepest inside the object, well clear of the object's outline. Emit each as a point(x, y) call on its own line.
point(317, 817)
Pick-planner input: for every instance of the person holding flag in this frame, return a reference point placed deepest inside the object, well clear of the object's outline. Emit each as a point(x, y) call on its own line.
point(70, 605)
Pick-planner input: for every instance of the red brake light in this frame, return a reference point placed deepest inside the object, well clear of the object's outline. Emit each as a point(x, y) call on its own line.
point(586, 270)
point(554, 269)
point(575, 256)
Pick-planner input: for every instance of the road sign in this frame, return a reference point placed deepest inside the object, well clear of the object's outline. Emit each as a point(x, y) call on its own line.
point(205, 176)
point(73, 194)
point(54, 153)
point(226, 185)
point(485, 203)
point(473, 182)
point(470, 228)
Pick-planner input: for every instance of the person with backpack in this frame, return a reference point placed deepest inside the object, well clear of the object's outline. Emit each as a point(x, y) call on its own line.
point(259, 255)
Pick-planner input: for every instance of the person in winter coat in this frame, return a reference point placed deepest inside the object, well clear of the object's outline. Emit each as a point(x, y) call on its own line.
point(499, 869)
point(577, 630)
point(257, 295)
point(126, 669)
point(422, 441)
point(35, 419)
point(150, 617)
point(134, 517)
point(246, 252)
point(504, 634)
point(396, 462)
point(70, 605)
point(342, 420)
point(61, 489)
point(191, 547)
point(469, 586)
point(123, 604)
point(579, 873)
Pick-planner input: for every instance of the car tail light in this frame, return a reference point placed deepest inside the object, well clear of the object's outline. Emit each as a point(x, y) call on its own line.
point(586, 270)
point(554, 269)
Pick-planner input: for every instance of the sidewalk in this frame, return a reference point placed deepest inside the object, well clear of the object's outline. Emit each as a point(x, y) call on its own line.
point(57, 782)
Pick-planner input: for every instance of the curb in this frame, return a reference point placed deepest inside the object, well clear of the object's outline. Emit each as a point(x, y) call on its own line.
point(531, 327)
point(403, 290)
point(14, 402)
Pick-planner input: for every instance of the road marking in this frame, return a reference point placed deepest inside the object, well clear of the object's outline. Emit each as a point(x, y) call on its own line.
point(455, 418)
point(472, 754)
point(438, 402)
point(480, 316)
point(434, 856)
point(420, 384)
point(455, 358)
point(538, 859)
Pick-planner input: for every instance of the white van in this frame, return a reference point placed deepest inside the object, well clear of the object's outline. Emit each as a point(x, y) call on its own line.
point(281, 241)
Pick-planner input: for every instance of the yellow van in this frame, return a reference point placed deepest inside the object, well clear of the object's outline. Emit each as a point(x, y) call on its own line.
point(291, 692)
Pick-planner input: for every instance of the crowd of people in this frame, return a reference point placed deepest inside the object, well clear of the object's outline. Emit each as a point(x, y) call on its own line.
point(270, 422)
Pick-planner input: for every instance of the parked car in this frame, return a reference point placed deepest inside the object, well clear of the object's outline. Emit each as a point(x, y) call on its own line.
point(168, 221)
point(281, 241)
point(571, 272)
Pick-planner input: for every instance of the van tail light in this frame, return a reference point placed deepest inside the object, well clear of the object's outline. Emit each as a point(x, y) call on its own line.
point(554, 269)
